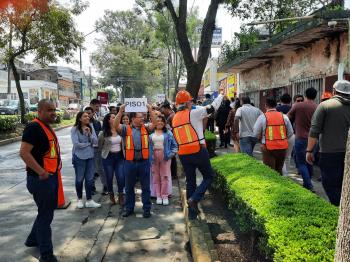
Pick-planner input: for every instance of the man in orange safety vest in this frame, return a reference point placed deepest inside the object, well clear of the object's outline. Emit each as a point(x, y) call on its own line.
point(274, 129)
point(188, 132)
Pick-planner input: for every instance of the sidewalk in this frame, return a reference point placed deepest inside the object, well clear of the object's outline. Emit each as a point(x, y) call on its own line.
point(95, 234)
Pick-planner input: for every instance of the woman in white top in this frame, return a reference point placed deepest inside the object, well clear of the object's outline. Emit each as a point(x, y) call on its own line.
point(110, 145)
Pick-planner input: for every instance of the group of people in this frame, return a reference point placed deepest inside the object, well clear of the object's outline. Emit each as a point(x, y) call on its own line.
point(310, 133)
point(130, 147)
point(142, 147)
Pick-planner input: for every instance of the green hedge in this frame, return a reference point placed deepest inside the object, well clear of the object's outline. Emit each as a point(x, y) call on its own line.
point(8, 123)
point(291, 223)
point(30, 117)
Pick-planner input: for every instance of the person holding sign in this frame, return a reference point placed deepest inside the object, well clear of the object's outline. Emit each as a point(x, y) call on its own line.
point(188, 132)
point(136, 152)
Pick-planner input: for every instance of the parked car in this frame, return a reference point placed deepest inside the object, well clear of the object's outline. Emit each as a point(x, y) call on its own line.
point(12, 107)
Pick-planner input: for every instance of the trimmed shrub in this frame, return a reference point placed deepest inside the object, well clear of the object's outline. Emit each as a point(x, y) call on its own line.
point(210, 140)
point(8, 123)
point(290, 222)
point(30, 117)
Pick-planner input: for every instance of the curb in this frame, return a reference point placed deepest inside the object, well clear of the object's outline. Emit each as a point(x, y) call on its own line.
point(19, 138)
point(202, 245)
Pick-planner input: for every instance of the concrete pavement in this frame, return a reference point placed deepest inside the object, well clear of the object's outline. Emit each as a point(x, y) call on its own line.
point(87, 234)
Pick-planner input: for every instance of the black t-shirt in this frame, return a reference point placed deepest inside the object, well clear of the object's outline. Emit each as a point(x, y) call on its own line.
point(283, 108)
point(33, 134)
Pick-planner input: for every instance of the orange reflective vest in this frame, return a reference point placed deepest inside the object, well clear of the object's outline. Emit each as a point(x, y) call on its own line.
point(52, 161)
point(129, 144)
point(184, 133)
point(276, 131)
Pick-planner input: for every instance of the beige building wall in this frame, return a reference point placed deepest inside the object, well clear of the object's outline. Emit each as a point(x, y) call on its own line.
point(321, 58)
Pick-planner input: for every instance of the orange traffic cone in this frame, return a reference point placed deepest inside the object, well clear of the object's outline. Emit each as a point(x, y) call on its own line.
point(62, 203)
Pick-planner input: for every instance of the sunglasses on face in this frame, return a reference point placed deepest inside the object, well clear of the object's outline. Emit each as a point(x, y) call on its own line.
point(299, 100)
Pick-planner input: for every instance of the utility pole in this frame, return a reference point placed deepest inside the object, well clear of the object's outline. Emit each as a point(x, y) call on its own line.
point(9, 68)
point(168, 77)
point(81, 79)
point(90, 83)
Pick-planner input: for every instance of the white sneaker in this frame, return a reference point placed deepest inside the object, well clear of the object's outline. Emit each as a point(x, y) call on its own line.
point(165, 201)
point(80, 204)
point(159, 201)
point(91, 203)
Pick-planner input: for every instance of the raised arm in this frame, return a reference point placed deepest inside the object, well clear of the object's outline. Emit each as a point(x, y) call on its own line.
point(118, 118)
point(153, 118)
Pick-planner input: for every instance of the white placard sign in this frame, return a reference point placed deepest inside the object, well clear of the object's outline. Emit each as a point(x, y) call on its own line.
point(160, 98)
point(135, 105)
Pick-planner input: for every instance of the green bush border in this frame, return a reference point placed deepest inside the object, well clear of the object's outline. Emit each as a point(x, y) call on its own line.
point(8, 122)
point(292, 223)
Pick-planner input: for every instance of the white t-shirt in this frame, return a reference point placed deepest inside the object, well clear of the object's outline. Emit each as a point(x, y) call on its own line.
point(116, 144)
point(158, 141)
point(199, 113)
point(247, 115)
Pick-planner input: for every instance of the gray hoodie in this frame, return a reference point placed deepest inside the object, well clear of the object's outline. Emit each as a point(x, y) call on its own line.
point(330, 124)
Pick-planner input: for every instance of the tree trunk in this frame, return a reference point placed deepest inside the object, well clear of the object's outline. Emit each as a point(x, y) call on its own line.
point(195, 69)
point(194, 79)
point(19, 89)
point(342, 250)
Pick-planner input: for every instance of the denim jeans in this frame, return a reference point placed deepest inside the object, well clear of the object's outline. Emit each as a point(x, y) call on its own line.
point(140, 170)
point(304, 168)
point(247, 144)
point(84, 170)
point(113, 166)
point(190, 163)
point(332, 171)
point(45, 196)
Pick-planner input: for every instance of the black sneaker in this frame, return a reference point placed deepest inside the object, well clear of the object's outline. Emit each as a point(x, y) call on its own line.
point(147, 214)
point(30, 244)
point(127, 213)
point(192, 213)
point(48, 258)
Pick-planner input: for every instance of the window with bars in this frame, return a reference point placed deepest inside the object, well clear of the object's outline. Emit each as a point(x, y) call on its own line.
point(299, 86)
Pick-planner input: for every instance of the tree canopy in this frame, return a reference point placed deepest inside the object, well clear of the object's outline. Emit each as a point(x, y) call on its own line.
point(46, 31)
point(128, 55)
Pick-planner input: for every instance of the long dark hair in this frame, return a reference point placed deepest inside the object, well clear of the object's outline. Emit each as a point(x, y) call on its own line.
point(78, 121)
point(165, 129)
point(106, 126)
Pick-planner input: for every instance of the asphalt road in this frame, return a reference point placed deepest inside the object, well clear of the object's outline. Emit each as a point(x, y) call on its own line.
point(87, 234)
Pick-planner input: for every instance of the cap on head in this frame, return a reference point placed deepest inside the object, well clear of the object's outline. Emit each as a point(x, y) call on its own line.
point(183, 97)
point(326, 95)
point(342, 86)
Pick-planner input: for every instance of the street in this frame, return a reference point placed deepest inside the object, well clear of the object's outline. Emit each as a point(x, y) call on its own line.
point(87, 234)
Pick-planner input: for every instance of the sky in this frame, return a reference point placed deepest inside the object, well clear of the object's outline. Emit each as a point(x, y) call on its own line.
point(86, 21)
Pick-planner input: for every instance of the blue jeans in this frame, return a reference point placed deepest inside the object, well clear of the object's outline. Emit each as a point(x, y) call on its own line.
point(304, 168)
point(190, 163)
point(247, 144)
point(140, 170)
point(84, 170)
point(113, 166)
point(45, 194)
point(332, 171)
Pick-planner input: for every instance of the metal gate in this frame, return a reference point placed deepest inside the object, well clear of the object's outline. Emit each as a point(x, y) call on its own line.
point(300, 84)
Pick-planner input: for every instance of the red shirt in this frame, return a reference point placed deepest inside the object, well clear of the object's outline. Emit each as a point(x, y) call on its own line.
point(301, 114)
